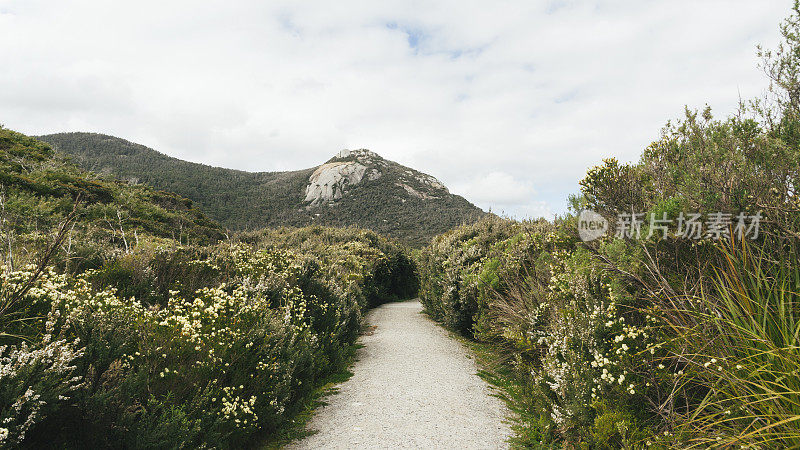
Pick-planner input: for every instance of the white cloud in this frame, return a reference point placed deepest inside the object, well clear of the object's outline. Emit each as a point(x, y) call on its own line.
point(503, 194)
point(522, 94)
point(497, 186)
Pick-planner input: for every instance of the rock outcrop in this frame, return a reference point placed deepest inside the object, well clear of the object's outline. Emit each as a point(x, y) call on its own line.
point(329, 181)
point(348, 168)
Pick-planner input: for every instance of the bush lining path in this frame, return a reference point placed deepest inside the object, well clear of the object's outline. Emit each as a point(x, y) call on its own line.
point(413, 387)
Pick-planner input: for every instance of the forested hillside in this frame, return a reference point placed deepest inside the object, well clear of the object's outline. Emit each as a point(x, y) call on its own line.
point(394, 203)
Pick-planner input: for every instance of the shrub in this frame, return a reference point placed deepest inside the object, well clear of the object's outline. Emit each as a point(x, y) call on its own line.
point(449, 284)
point(36, 381)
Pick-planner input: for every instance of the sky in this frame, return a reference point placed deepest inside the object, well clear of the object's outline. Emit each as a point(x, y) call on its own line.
point(508, 103)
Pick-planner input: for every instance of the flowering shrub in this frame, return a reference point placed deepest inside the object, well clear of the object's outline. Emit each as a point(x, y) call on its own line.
point(212, 363)
point(35, 381)
point(577, 337)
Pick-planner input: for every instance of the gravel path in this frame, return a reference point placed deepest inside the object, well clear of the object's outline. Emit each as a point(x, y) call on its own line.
point(413, 387)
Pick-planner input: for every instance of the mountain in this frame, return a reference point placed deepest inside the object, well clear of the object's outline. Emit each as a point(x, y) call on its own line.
point(356, 187)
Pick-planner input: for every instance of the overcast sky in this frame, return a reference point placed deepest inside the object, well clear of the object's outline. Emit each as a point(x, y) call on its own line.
point(507, 102)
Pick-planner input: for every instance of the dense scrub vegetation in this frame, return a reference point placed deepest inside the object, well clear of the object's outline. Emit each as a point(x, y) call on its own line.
point(650, 340)
point(115, 332)
point(252, 200)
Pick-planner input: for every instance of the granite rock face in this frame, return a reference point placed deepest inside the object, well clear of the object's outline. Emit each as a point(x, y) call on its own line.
point(349, 168)
point(328, 183)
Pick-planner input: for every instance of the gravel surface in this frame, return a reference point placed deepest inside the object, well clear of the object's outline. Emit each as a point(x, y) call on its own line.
point(413, 387)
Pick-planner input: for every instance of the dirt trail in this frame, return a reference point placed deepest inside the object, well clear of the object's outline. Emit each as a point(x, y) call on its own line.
point(413, 387)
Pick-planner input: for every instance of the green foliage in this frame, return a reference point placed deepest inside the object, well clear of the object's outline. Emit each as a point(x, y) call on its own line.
point(449, 271)
point(616, 428)
point(749, 369)
point(614, 187)
point(391, 274)
point(148, 274)
point(700, 164)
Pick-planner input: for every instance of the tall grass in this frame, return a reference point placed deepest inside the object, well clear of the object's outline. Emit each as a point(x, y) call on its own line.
point(743, 354)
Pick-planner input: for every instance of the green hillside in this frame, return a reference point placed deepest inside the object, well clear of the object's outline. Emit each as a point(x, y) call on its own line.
point(39, 189)
point(396, 203)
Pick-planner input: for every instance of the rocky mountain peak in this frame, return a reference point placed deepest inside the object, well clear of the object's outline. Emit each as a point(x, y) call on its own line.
point(361, 154)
